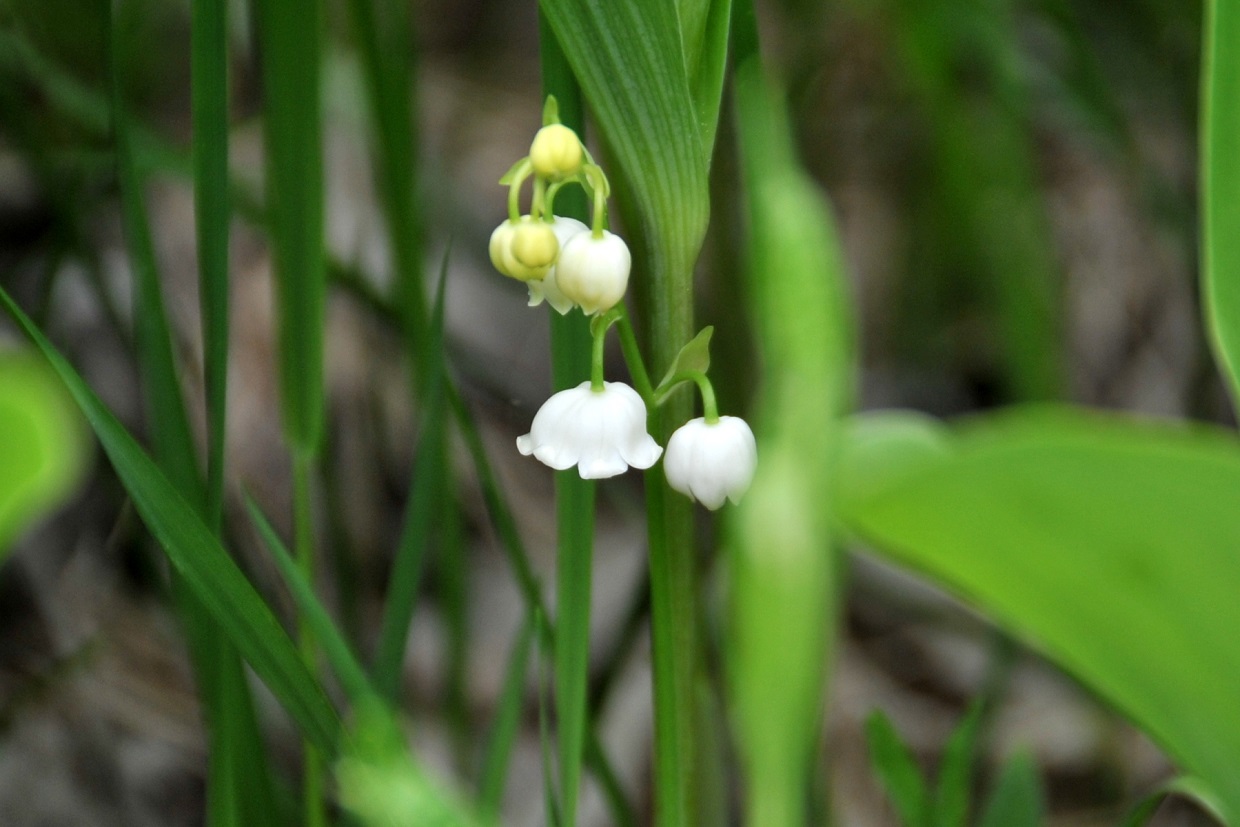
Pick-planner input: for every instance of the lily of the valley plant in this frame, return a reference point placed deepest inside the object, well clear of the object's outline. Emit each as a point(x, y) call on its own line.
point(600, 426)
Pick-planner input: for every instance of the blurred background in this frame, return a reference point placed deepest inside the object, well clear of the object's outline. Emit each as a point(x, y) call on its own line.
point(1014, 181)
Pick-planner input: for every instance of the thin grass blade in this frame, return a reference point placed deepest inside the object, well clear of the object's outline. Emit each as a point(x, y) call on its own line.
point(291, 41)
point(213, 216)
point(198, 557)
point(383, 36)
point(507, 723)
point(346, 665)
point(898, 771)
point(1220, 184)
point(1016, 800)
point(954, 789)
point(426, 497)
point(240, 776)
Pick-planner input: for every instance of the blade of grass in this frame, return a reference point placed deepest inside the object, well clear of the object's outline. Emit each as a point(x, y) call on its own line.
point(1016, 800)
point(241, 787)
point(199, 558)
point(952, 795)
point(290, 36)
point(507, 723)
point(452, 573)
point(388, 72)
point(240, 775)
point(425, 500)
point(212, 214)
point(574, 497)
point(898, 771)
point(1220, 184)
point(339, 654)
point(291, 43)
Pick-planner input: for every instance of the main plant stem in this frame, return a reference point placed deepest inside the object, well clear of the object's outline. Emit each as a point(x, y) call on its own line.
point(674, 577)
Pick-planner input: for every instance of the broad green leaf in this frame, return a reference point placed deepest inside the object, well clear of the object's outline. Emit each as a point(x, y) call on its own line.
point(43, 447)
point(1016, 800)
point(1220, 183)
point(898, 771)
point(704, 28)
point(881, 447)
point(199, 559)
point(1111, 544)
point(694, 356)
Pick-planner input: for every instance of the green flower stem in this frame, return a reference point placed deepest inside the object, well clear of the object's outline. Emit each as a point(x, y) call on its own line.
point(538, 205)
point(633, 357)
point(710, 409)
point(549, 204)
point(599, 332)
point(514, 189)
point(599, 223)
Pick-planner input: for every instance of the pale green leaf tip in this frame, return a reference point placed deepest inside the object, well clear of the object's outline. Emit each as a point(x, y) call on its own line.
point(551, 111)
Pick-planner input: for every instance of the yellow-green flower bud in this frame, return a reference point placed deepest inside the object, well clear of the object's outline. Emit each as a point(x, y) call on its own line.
point(501, 239)
point(556, 152)
point(534, 245)
point(538, 253)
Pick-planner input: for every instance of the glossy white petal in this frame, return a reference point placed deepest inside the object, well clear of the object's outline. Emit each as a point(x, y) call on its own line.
point(711, 463)
point(594, 272)
point(549, 289)
point(602, 432)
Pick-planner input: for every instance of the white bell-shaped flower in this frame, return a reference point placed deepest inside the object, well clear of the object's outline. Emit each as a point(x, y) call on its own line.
point(711, 462)
point(547, 288)
point(594, 272)
point(601, 432)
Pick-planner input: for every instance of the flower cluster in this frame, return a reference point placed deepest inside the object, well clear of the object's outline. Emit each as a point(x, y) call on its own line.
point(599, 426)
point(560, 259)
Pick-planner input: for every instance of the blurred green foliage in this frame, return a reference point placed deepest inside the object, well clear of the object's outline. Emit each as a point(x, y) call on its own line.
point(43, 444)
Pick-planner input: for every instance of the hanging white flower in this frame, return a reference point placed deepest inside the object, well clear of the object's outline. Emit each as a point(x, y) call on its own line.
point(711, 462)
point(594, 272)
point(547, 288)
point(602, 432)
